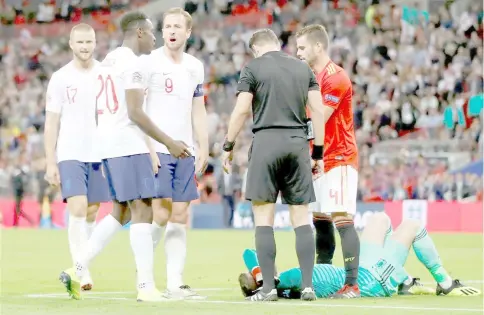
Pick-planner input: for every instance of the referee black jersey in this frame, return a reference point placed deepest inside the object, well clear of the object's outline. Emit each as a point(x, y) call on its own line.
point(280, 85)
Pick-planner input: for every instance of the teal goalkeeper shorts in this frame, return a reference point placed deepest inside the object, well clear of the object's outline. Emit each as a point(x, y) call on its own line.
point(385, 264)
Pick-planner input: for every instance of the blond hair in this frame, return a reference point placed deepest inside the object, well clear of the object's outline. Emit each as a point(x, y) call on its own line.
point(315, 34)
point(81, 27)
point(178, 10)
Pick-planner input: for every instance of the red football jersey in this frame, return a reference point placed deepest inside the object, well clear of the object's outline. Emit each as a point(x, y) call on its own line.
point(339, 142)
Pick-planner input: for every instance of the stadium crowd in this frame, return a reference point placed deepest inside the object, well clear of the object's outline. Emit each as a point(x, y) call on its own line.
point(416, 78)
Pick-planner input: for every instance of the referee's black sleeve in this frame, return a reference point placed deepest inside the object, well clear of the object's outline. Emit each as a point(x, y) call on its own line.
point(247, 81)
point(313, 83)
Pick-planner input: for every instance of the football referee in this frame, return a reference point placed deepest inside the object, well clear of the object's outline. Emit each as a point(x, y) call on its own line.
point(277, 87)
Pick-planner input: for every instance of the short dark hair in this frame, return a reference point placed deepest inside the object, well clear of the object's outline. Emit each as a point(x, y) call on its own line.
point(132, 20)
point(263, 36)
point(315, 33)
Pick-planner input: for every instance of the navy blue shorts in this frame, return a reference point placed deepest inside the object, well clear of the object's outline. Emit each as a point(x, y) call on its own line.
point(176, 179)
point(130, 177)
point(83, 179)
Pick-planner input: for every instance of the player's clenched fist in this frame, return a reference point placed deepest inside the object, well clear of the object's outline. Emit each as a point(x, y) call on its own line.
point(317, 167)
point(201, 163)
point(52, 175)
point(178, 149)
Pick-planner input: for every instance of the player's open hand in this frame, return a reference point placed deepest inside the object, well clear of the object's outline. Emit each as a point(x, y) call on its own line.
point(317, 167)
point(155, 163)
point(201, 163)
point(52, 175)
point(227, 158)
point(179, 149)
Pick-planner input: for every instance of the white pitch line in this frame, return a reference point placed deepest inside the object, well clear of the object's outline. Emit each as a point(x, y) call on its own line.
point(409, 308)
point(92, 294)
point(463, 281)
point(381, 307)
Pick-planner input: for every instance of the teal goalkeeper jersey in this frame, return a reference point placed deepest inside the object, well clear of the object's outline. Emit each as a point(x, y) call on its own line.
point(327, 279)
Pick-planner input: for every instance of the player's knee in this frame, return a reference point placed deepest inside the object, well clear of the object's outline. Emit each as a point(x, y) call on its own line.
point(92, 212)
point(121, 212)
point(410, 226)
point(161, 210)
point(340, 217)
point(161, 216)
point(77, 206)
point(380, 218)
point(299, 215)
point(179, 212)
point(141, 210)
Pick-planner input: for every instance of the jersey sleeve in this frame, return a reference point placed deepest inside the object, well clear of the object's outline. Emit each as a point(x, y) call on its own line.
point(333, 90)
point(200, 78)
point(54, 96)
point(135, 77)
point(247, 82)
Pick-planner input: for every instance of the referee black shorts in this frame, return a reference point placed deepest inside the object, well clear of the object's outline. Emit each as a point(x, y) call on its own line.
point(279, 161)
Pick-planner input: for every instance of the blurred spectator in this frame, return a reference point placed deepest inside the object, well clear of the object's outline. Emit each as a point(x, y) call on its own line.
point(417, 82)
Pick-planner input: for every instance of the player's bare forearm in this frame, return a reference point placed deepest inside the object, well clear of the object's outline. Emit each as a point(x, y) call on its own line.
point(327, 112)
point(239, 115)
point(199, 120)
point(149, 144)
point(51, 132)
point(315, 102)
point(134, 100)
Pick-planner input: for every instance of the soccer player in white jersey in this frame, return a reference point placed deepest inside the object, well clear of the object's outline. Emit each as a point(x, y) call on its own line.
point(69, 137)
point(175, 102)
point(125, 155)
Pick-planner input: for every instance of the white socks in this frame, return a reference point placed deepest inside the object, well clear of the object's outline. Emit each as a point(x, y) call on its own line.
point(447, 283)
point(176, 252)
point(142, 246)
point(156, 233)
point(90, 228)
point(101, 235)
point(77, 236)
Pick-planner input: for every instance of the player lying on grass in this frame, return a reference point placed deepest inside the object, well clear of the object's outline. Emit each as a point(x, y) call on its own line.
point(381, 274)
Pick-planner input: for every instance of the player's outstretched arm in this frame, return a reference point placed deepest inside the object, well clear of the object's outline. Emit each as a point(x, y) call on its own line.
point(134, 100)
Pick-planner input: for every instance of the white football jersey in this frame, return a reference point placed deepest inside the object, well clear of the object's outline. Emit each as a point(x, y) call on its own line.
point(171, 89)
point(71, 93)
point(119, 136)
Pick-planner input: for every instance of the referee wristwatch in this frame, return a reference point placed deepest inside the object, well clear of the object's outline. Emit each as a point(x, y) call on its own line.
point(317, 152)
point(228, 146)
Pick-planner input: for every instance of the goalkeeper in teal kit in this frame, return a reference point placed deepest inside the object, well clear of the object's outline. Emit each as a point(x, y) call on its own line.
point(381, 273)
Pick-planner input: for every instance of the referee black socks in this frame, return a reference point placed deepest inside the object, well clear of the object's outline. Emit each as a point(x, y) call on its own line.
point(305, 254)
point(265, 245)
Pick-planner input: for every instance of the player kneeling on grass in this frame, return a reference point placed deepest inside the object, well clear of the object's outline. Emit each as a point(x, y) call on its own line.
point(381, 272)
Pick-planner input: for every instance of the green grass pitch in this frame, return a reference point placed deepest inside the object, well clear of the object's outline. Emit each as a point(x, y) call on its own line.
point(31, 261)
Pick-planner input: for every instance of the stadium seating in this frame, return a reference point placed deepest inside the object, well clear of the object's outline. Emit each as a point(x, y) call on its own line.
point(417, 98)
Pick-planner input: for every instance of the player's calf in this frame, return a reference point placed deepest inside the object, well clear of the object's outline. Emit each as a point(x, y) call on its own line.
point(325, 238)
point(350, 244)
point(161, 215)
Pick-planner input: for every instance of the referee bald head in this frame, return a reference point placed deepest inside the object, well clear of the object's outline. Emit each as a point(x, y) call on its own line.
point(263, 41)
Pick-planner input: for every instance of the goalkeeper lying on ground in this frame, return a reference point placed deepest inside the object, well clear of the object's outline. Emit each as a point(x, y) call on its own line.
point(383, 255)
